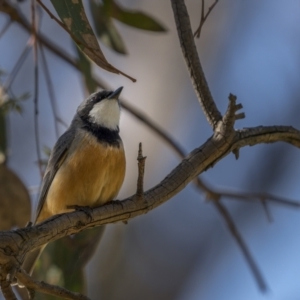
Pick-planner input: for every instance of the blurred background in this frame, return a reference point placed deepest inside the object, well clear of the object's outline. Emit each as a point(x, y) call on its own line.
point(183, 249)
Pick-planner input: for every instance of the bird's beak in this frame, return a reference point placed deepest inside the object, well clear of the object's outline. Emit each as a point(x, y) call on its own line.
point(116, 93)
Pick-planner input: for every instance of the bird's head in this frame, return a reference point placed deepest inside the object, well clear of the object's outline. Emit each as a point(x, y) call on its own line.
point(102, 109)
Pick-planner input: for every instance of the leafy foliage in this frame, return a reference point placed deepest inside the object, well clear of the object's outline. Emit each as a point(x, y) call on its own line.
point(76, 23)
point(103, 14)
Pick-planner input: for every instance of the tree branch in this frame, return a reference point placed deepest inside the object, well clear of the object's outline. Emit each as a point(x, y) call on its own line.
point(141, 170)
point(192, 60)
point(7, 290)
point(15, 244)
point(204, 17)
point(17, 16)
point(232, 228)
point(224, 141)
point(36, 86)
point(46, 288)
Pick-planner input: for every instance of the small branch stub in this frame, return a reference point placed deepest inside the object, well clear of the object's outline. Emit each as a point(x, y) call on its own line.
point(226, 126)
point(141, 170)
point(236, 153)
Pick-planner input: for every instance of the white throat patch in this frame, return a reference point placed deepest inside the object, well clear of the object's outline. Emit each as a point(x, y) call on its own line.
point(106, 113)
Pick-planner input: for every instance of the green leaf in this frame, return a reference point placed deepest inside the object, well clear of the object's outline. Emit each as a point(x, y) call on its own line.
point(73, 15)
point(106, 30)
point(134, 18)
point(68, 257)
point(86, 71)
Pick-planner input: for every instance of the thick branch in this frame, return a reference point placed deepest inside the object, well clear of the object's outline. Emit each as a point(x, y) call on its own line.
point(14, 244)
point(266, 134)
point(192, 60)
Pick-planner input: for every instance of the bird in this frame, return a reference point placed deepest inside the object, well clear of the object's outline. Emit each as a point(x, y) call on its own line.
point(87, 165)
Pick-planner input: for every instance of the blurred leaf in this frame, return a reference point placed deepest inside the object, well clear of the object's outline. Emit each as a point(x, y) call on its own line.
point(63, 261)
point(73, 16)
point(7, 104)
point(86, 71)
point(12, 104)
point(105, 28)
point(15, 206)
point(132, 18)
point(47, 151)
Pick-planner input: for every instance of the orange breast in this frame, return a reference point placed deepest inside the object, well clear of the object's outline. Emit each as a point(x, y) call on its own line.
point(90, 176)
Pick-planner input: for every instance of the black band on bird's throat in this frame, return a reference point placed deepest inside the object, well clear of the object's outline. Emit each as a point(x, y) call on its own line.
point(103, 134)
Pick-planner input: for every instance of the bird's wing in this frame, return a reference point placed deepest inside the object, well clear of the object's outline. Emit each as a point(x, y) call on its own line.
point(58, 156)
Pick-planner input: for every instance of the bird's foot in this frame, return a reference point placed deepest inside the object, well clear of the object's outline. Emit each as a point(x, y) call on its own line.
point(86, 209)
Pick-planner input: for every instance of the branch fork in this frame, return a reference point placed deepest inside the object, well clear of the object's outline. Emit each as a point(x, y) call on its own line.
point(225, 127)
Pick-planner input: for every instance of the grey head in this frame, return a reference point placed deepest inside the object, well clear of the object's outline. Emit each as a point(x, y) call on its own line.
point(101, 109)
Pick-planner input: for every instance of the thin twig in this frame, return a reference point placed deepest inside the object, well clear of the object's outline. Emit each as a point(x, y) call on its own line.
point(46, 288)
point(192, 60)
point(16, 15)
point(139, 115)
point(218, 194)
point(141, 170)
point(64, 27)
point(204, 17)
point(237, 236)
point(50, 90)
point(52, 16)
point(259, 197)
point(18, 64)
point(62, 122)
point(267, 211)
point(6, 26)
point(36, 87)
